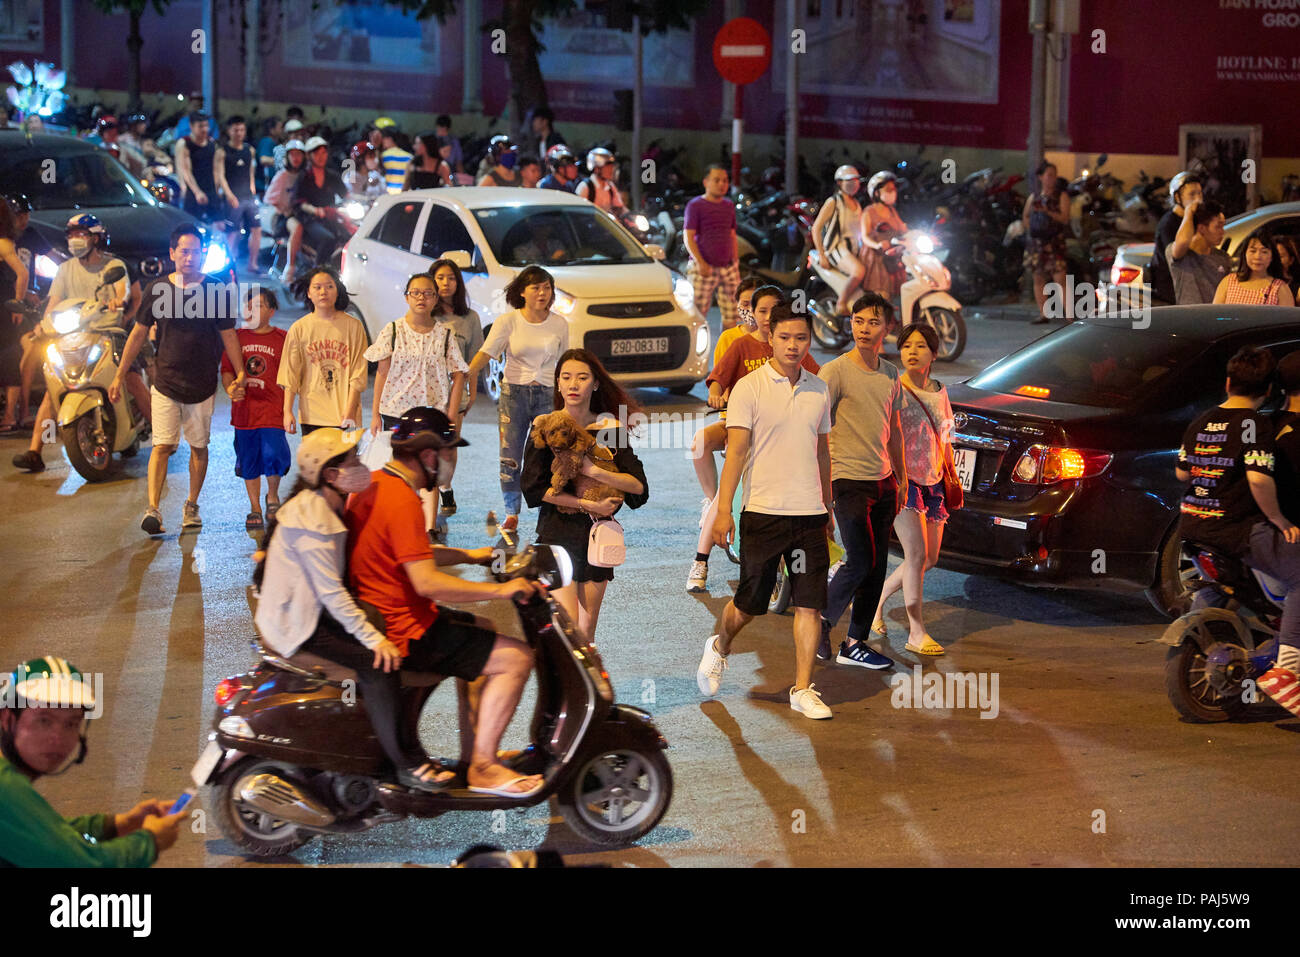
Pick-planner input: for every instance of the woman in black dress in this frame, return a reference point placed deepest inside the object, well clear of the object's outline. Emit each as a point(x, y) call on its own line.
point(585, 390)
point(427, 168)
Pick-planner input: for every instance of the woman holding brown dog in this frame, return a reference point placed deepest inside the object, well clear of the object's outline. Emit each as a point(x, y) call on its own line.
point(586, 393)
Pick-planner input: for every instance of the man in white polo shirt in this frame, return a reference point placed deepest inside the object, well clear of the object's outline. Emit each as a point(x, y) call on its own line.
point(778, 420)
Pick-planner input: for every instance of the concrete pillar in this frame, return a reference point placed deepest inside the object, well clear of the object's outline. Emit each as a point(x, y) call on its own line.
point(67, 41)
point(210, 92)
point(1056, 123)
point(252, 55)
point(472, 46)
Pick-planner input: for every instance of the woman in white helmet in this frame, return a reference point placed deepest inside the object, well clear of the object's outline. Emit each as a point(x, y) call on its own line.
point(880, 223)
point(600, 187)
point(836, 235)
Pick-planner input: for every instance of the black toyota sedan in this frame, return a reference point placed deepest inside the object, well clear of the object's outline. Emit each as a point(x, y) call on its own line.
point(63, 176)
point(1067, 447)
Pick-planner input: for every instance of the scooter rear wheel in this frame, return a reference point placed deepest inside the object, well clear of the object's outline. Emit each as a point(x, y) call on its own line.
point(251, 830)
point(1188, 683)
point(951, 328)
point(618, 797)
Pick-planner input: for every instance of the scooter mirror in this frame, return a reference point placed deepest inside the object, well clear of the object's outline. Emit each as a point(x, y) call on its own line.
point(116, 274)
point(1101, 160)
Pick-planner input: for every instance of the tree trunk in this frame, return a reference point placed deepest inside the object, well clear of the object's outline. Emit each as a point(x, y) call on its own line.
point(133, 44)
point(527, 88)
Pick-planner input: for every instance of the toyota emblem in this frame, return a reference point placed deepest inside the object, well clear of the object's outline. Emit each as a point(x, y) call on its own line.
point(959, 419)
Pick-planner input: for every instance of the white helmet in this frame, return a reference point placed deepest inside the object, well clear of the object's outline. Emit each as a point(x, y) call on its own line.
point(847, 172)
point(599, 157)
point(877, 183)
point(1179, 180)
point(294, 145)
point(315, 143)
point(319, 447)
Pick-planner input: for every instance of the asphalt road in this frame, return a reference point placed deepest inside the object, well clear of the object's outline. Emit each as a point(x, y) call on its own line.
point(1085, 762)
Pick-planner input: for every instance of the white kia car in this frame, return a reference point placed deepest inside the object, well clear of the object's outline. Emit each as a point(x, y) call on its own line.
point(622, 304)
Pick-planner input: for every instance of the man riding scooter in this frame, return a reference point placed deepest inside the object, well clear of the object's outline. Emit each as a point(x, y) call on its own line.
point(392, 566)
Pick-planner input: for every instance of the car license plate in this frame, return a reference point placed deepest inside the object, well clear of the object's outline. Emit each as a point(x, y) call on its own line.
point(964, 461)
point(207, 763)
point(639, 347)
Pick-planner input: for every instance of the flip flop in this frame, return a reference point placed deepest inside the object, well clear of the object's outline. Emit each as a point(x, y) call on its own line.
point(503, 790)
point(878, 627)
point(927, 647)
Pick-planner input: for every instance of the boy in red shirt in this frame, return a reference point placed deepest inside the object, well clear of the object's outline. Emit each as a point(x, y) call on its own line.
point(257, 409)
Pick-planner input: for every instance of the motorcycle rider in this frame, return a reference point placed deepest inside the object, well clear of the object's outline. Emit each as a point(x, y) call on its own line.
point(280, 196)
point(196, 156)
point(108, 135)
point(599, 187)
point(44, 705)
point(392, 566)
point(503, 155)
point(316, 195)
point(1282, 682)
point(563, 166)
point(878, 224)
point(836, 235)
point(365, 180)
point(1231, 504)
point(78, 278)
point(1184, 189)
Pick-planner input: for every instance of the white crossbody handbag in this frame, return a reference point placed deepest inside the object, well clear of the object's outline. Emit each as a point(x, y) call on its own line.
point(605, 547)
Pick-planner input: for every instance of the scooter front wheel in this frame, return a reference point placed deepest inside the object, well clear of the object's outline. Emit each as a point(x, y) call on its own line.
point(951, 328)
point(618, 797)
point(90, 454)
point(250, 829)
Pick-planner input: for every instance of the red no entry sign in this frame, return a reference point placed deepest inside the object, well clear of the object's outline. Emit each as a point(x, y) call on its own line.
point(742, 50)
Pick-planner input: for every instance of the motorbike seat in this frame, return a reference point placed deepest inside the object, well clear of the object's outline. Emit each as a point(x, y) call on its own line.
point(335, 673)
point(1274, 589)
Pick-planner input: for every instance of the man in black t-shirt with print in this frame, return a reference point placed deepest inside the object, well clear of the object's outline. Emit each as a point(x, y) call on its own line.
point(195, 316)
point(1231, 504)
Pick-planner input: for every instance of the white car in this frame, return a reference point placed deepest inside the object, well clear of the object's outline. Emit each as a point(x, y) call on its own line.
point(622, 304)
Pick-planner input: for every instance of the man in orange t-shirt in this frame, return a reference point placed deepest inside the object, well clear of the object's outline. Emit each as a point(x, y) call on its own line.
point(392, 566)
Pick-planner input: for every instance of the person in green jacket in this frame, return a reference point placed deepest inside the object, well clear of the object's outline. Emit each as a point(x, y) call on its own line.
point(43, 722)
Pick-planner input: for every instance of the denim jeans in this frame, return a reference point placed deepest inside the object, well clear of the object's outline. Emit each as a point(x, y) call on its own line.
point(863, 513)
point(1274, 555)
point(519, 405)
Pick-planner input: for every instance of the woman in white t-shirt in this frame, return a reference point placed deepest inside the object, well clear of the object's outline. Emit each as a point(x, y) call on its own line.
point(453, 310)
point(532, 339)
point(926, 421)
point(323, 366)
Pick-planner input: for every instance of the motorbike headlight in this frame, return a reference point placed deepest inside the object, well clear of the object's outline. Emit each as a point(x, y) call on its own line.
point(216, 258)
point(641, 222)
point(93, 356)
point(702, 339)
point(69, 320)
point(684, 293)
point(355, 211)
point(53, 356)
point(564, 303)
point(46, 267)
point(924, 244)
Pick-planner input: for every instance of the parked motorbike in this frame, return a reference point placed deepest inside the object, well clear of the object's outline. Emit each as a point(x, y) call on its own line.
point(924, 298)
point(85, 340)
point(1229, 638)
point(292, 756)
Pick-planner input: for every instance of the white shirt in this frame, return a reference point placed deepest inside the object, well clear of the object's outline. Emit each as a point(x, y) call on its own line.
point(782, 475)
point(531, 348)
point(421, 368)
point(303, 574)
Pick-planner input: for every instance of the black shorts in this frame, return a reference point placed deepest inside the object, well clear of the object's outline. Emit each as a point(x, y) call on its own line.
point(244, 216)
point(767, 539)
point(454, 646)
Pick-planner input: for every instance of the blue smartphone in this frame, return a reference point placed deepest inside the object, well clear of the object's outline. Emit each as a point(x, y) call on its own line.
point(181, 801)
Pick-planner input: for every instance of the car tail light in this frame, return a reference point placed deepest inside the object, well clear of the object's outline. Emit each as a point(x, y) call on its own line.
point(1124, 275)
point(1049, 464)
point(226, 691)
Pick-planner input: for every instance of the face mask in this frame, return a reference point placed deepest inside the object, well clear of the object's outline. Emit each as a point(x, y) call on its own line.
point(509, 160)
point(78, 246)
point(439, 476)
point(353, 479)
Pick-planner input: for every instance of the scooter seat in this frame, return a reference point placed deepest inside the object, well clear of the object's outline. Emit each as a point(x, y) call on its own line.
point(333, 671)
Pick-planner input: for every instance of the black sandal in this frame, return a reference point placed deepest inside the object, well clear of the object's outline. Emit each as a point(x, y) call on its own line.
point(408, 778)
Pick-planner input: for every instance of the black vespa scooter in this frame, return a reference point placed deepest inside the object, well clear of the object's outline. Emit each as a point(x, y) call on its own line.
point(293, 756)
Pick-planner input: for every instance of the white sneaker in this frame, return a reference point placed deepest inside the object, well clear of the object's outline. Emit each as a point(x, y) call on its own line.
point(709, 674)
point(698, 579)
point(809, 702)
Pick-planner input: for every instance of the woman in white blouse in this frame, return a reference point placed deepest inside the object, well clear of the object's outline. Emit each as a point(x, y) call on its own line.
point(419, 360)
point(926, 420)
point(532, 338)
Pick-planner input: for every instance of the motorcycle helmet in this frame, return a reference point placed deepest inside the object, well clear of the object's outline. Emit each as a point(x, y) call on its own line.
point(424, 428)
point(1179, 181)
point(135, 118)
point(361, 150)
point(558, 156)
point(318, 448)
point(599, 157)
point(847, 172)
point(878, 182)
point(295, 145)
point(384, 122)
point(499, 146)
point(19, 203)
point(292, 126)
point(315, 143)
point(48, 682)
point(105, 122)
point(91, 224)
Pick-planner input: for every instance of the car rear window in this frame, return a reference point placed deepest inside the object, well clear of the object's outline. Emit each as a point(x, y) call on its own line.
point(70, 179)
point(1085, 364)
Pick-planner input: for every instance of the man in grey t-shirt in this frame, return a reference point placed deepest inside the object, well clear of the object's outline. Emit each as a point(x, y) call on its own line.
point(868, 477)
point(1196, 263)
